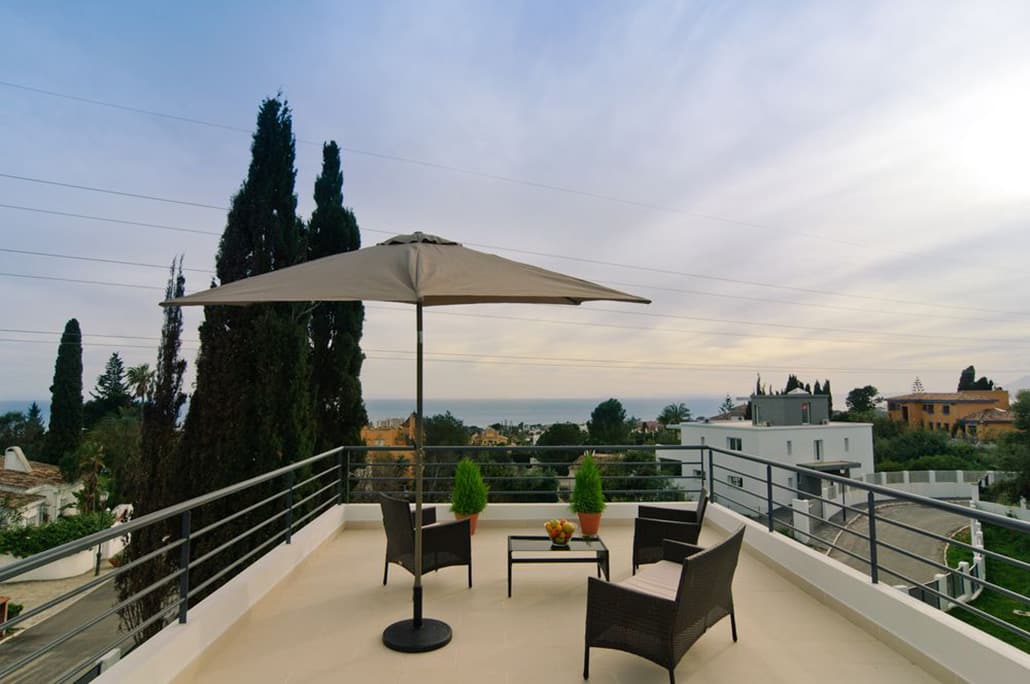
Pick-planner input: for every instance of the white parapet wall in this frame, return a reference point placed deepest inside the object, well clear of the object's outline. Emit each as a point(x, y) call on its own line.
point(166, 655)
point(63, 568)
point(938, 642)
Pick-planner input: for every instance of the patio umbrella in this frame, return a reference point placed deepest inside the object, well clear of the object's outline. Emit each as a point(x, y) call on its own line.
point(424, 270)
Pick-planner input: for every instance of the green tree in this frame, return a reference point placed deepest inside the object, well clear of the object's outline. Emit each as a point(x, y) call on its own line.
point(792, 384)
point(1015, 447)
point(727, 405)
point(140, 380)
point(25, 430)
point(561, 434)
point(443, 429)
point(119, 437)
point(88, 466)
point(154, 477)
point(968, 381)
point(673, 414)
point(65, 431)
point(251, 408)
point(111, 394)
point(862, 400)
point(608, 424)
point(336, 327)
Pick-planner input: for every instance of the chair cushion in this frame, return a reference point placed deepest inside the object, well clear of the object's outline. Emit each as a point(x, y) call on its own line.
point(659, 579)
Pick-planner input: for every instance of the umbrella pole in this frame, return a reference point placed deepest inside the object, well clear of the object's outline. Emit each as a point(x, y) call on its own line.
point(418, 635)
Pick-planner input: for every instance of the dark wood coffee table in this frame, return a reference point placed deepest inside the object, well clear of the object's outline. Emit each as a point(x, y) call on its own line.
point(538, 549)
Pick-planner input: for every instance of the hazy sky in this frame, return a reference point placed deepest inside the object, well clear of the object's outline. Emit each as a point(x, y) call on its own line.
point(838, 189)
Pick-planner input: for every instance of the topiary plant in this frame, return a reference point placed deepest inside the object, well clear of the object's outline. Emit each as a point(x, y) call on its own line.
point(469, 495)
point(587, 495)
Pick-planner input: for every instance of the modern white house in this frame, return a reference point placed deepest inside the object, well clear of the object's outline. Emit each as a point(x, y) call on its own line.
point(793, 429)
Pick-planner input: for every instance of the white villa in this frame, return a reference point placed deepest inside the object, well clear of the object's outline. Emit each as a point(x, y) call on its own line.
point(34, 492)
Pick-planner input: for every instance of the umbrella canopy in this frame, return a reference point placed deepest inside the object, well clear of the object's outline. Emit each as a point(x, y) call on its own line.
point(410, 268)
point(424, 270)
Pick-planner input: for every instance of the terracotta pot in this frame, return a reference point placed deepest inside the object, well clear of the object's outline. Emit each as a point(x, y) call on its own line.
point(589, 524)
point(473, 519)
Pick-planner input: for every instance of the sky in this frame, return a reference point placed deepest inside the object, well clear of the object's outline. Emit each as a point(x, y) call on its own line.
point(839, 190)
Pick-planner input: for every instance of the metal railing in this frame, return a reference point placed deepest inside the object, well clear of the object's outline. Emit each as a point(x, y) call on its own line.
point(276, 515)
point(207, 549)
point(755, 495)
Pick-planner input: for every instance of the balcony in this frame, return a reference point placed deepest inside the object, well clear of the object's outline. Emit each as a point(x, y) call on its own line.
point(312, 607)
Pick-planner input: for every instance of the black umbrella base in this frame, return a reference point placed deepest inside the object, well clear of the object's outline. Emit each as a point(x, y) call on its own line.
point(404, 636)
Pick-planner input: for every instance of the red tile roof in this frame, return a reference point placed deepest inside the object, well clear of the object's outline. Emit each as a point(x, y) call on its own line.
point(42, 474)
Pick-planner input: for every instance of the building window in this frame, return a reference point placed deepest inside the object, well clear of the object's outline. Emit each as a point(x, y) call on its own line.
point(702, 440)
point(928, 408)
point(735, 480)
point(754, 415)
point(946, 410)
point(806, 413)
point(847, 445)
point(734, 444)
point(790, 482)
point(790, 448)
point(817, 447)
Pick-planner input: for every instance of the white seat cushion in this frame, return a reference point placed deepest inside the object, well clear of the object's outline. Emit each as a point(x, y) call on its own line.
point(658, 579)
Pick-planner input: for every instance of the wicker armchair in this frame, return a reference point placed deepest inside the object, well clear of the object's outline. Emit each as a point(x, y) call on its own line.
point(443, 544)
point(661, 612)
point(654, 524)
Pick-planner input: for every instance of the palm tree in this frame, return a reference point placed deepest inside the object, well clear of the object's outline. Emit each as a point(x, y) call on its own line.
point(673, 414)
point(91, 464)
point(140, 379)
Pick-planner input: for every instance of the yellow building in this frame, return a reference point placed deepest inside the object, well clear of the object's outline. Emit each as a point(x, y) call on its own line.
point(987, 425)
point(489, 437)
point(943, 410)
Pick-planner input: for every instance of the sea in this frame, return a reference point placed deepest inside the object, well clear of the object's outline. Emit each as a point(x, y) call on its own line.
point(481, 412)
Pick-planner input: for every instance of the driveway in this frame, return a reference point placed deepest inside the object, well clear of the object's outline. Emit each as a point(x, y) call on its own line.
point(915, 515)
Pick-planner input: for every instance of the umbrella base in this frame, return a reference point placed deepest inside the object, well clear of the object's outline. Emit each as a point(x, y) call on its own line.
point(404, 636)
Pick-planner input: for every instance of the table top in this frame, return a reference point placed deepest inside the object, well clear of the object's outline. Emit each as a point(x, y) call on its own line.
point(542, 542)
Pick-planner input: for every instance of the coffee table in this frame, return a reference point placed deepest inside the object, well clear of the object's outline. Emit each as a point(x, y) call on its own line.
point(538, 549)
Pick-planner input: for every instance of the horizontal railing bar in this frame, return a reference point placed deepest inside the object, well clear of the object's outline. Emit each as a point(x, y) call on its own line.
point(315, 477)
point(91, 662)
point(28, 658)
point(43, 558)
point(317, 509)
point(200, 587)
point(88, 585)
point(976, 611)
point(214, 552)
point(331, 485)
point(229, 518)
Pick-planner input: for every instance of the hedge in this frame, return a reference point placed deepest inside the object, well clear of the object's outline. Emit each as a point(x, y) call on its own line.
point(23, 542)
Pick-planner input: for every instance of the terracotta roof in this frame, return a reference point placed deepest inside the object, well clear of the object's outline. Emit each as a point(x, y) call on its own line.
point(957, 397)
point(735, 412)
point(16, 501)
point(42, 474)
point(991, 415)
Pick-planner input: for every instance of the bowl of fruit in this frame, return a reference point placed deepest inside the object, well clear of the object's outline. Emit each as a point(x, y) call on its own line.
point(560, 532)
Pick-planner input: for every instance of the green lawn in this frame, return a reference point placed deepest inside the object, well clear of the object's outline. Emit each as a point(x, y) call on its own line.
point(1015, 545)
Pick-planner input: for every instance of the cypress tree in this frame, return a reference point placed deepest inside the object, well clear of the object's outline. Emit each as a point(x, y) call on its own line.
point(251, 408)
point(336, 327)
point(66, 397)
point(155, 480)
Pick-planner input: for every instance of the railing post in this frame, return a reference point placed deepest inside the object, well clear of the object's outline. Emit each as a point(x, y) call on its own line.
point(768, 493)
point(184, 567)
point(711, 476)
point(874, 570)
point(346, 477)
point(289, 506)
point(339, 477)
point(96, 565)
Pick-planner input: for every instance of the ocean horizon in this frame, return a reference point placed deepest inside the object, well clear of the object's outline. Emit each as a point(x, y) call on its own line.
point(482, 412)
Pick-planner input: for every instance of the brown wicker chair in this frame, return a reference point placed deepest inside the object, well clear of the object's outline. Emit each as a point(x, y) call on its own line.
point(443, 544)
point(657, 523)
point(657, 615)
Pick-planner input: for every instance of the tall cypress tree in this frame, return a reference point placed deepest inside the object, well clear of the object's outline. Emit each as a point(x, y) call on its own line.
point(336, 327)
point(155, 479)
point(65, 431)
point(251, 409)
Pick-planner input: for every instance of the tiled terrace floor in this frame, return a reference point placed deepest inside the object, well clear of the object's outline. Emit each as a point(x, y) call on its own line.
point(324, 624)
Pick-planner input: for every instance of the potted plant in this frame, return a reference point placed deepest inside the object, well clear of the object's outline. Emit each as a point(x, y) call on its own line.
point(587, 499)
point(469, 496)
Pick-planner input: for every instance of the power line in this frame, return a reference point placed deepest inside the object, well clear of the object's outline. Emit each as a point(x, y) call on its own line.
point(611, 311)
point(650, 269)
point(461, 170)
point(67, 214)
point(121, 262)
point(106, 191)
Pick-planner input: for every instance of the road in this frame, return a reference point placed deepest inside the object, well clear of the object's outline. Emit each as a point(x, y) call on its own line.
point(917, 516)
point(48, 667)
